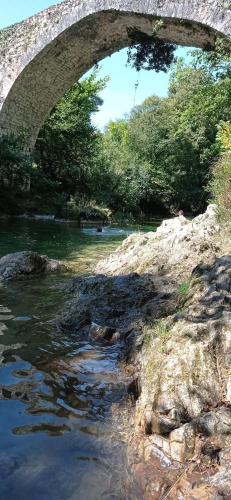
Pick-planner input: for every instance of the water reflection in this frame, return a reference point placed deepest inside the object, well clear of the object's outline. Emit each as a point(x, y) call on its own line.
point(55, 412)
point(58, 440)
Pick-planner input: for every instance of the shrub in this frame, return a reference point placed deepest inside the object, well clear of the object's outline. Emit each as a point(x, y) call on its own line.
point(161, 329)
point(220, 185)
point(83, 209)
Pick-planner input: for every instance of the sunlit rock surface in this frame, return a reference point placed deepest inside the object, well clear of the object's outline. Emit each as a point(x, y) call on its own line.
point(176, 246)
point(167, 295)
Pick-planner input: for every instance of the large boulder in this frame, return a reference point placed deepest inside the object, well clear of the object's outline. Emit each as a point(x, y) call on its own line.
point(21, 265)
point(175, 248)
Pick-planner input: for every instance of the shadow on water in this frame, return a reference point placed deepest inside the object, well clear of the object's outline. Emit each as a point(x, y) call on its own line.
point(57, 436)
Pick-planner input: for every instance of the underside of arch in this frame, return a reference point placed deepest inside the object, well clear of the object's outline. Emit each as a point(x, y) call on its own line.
point(52, 71)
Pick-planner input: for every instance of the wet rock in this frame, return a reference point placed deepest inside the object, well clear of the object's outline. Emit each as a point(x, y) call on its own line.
point(117, 302)
point(182, 443)
point(21, 265)
point(134, 388)
point(23, 318)
point(98, 332)
point(115, 337)
point(3, 328)
point(153, 483)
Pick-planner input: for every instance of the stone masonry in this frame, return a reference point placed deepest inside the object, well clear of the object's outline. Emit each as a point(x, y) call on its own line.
point(42, 57)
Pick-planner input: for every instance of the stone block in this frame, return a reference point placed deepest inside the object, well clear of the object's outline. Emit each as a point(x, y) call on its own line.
point(182, 443)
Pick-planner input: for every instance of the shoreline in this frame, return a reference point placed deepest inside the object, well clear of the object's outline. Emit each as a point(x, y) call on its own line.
point(115, 222)
point(163, 297)
point(162, 301)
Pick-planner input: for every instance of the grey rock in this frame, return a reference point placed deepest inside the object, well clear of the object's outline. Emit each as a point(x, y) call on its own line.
point(182, 443)
point(215, 422)
point(98, 332)
point(21, 265)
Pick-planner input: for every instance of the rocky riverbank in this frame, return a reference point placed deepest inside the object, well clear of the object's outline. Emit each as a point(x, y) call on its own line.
point(164, 297)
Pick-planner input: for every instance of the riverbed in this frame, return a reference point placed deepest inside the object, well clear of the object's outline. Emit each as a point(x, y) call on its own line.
point(59, 439)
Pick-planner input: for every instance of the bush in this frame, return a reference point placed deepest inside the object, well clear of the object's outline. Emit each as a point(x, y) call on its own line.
point(221, 183)
point(81, 209)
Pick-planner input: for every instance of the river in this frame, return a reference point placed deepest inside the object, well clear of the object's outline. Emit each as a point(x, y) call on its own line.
point(58, 439)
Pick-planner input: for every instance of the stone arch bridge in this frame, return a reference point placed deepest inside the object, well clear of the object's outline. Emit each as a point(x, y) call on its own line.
point(42, 57)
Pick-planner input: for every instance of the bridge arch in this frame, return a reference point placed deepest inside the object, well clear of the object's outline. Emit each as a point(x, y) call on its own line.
point(42, 57)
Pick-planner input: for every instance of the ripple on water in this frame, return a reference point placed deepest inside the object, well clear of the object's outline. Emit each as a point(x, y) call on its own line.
point(58, 438)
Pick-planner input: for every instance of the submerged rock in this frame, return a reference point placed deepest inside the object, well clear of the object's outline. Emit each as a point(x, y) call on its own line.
point(98, 332)
point(21, 265)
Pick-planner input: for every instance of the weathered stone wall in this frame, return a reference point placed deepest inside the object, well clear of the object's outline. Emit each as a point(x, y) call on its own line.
point(43, 56)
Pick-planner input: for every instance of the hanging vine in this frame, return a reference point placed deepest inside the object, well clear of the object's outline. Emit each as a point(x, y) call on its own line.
point(149, 52)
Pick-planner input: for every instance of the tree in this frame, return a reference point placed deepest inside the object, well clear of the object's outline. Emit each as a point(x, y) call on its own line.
point(160, 157)
point(68, 141)
point(220, 185)
point(150, 52)
point(15, 170)
point(127, 180)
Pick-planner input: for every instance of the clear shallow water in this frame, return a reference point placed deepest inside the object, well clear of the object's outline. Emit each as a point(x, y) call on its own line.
point(57, 395)
point(63, 241)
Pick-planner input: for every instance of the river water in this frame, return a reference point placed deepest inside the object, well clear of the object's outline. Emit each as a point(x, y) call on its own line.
point(58, 439)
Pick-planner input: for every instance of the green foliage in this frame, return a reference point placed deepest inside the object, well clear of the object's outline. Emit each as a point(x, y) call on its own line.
point(224, 136)
point(160, 330)
point(83, 209)
point(15, 169)
point(149, 52)
point(183, 289)
point(156, 160)
point(220, 185)
point(163, 151)
point(182, 296)
point(122, 181)
point(67, 144)
point(61, 171)
point(216, 60)
point(15, 164)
